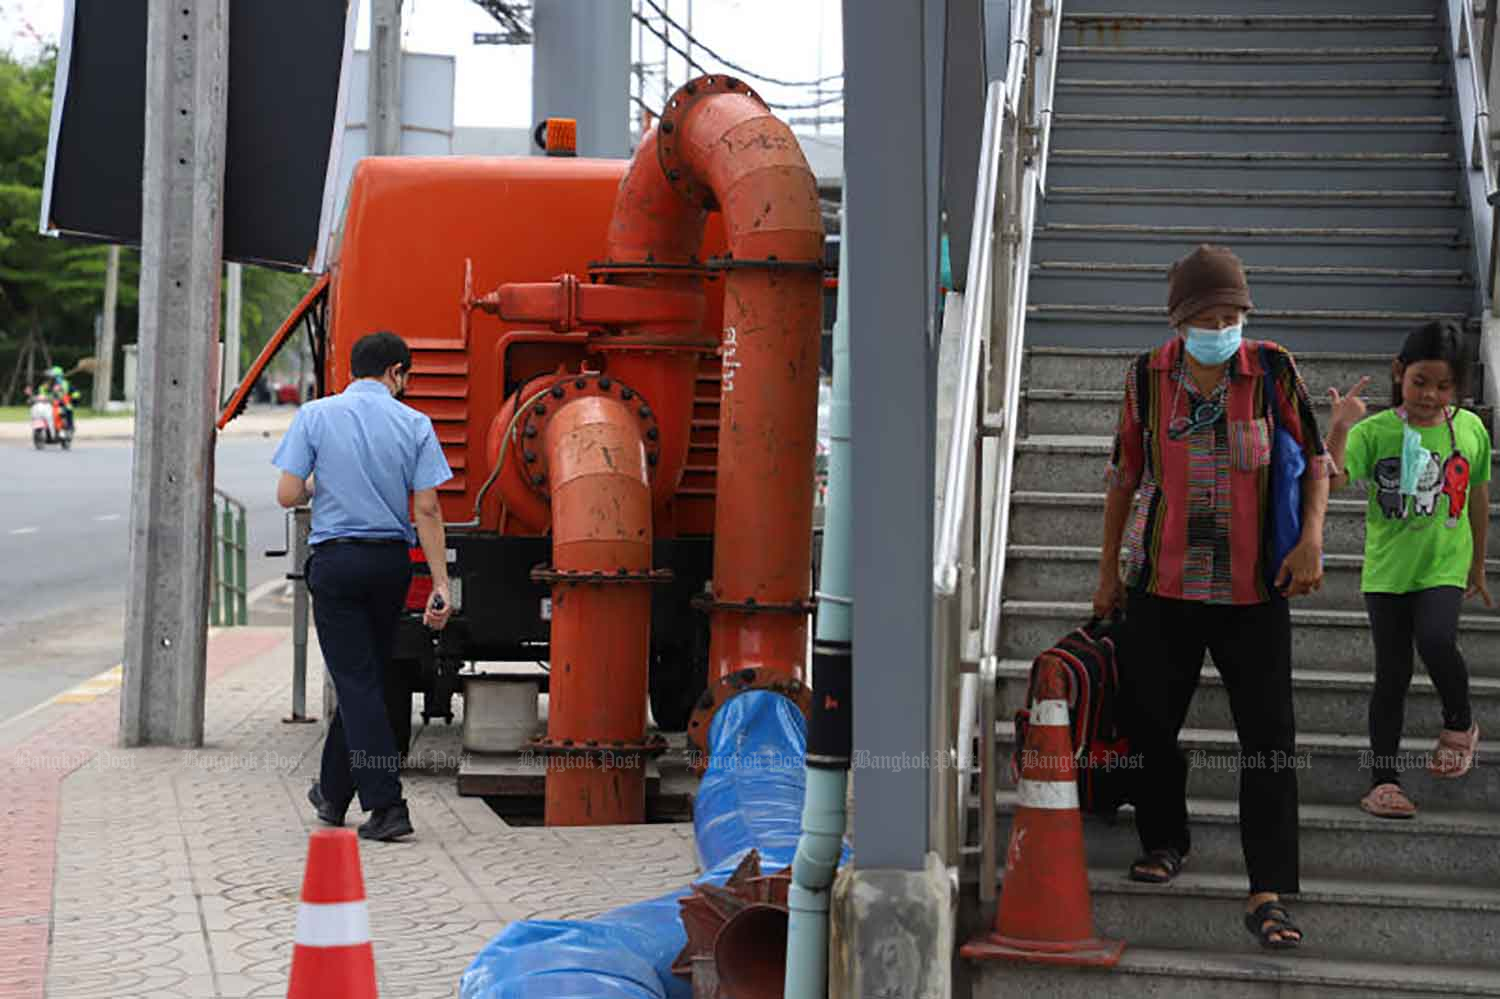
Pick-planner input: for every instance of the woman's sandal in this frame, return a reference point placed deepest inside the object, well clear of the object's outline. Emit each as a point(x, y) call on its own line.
point(1388, 801)
point(1272, 917)
point(1455, 752)
point(1158, 867)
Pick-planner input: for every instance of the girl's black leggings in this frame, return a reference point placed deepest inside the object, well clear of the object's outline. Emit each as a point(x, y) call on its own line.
point(1427, 621)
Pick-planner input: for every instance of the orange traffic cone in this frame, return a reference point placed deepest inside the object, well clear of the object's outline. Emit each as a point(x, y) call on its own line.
point(1045, 913)
point(332, 957)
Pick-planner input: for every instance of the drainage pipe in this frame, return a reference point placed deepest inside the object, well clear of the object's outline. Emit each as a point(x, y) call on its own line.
point(830, 735)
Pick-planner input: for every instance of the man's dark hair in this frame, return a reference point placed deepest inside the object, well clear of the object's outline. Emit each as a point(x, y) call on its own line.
point(375, 352)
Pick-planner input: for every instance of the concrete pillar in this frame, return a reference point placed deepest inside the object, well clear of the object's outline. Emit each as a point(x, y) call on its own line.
point(580, 68)
point(166, 622)
point(384, 116)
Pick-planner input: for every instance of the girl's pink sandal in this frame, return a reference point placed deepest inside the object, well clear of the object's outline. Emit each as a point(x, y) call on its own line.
point(1455, 753)
point(1388, 801)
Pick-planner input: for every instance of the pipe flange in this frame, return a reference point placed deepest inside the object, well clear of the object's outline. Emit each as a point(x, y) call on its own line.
point(729, 262)
point(669, 133)
point(729, 686)
point(564, 389)
point(610, 268)
point(706, 603)
point(653, 745)
point(547, 574)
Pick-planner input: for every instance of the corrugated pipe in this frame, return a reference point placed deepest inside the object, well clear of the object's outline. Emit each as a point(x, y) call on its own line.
point(830, 737)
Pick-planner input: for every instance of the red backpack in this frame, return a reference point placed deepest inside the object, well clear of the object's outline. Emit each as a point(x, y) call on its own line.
point(1101, 750)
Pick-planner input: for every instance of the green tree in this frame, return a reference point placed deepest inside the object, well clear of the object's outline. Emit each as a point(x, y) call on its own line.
point(51, 286)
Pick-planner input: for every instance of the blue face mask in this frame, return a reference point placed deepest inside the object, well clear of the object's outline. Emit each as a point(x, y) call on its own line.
point(1213, 347)
point(1413, 460)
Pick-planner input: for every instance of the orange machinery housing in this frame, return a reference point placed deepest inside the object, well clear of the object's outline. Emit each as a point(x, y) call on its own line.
point(421, 234)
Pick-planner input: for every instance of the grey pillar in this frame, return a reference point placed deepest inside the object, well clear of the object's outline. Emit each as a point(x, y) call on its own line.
point(166, 624)
point(104, 371)
point(964, 82)
point(580, 68)
point(384, 114)
point(893, 927)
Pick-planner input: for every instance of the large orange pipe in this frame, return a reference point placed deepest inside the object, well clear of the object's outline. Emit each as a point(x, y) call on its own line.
point(723, 145)
point(601, 630)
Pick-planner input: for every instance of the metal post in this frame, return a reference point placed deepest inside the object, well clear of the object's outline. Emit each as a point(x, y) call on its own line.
point(898, 900)
point(384, 115)
point(232, 289)
point(187, 89)
point(241, 570)
point(580, 68)
point(302, 525)
point(104, 371)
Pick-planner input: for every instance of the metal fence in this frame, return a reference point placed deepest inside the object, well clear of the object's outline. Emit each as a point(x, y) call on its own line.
point(228, 592)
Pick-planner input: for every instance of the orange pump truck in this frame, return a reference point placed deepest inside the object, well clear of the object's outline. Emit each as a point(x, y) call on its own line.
point(621, 361)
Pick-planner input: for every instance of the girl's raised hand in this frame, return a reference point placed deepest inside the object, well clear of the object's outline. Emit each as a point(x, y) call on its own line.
point(1348, 408)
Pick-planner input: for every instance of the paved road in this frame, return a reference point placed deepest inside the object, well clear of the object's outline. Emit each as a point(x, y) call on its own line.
point(64, 543)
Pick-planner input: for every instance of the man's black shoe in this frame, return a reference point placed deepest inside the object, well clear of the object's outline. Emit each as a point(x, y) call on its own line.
point(327, 811)
point(389, 823)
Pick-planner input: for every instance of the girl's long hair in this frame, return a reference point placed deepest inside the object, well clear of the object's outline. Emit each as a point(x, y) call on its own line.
point(1439, 340)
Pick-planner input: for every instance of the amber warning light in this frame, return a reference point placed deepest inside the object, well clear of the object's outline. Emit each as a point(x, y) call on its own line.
point(561, 137)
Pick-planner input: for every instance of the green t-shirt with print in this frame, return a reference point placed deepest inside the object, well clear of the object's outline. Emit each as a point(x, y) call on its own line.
point(1421, 541)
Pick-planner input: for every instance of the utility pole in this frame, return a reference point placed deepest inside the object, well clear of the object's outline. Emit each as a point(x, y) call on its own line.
point(232, 286)
point(104, 364)
point(384, 115)
point(166, 617)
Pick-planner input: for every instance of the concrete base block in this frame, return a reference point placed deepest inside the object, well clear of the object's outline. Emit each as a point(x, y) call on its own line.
point(892, 933)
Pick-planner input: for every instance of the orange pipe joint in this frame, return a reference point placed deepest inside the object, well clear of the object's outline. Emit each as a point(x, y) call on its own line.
point(600, 491)
point(567, 304)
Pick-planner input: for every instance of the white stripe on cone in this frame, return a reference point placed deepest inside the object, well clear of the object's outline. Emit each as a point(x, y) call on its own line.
point(337, 924)
point(1050, 713)
point(1055, 795)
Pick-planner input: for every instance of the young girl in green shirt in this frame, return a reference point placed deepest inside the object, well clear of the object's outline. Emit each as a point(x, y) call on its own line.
point(1426, 466)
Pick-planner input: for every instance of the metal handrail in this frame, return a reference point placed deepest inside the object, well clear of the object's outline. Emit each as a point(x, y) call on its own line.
point(1471, 46)
point(1011, 182)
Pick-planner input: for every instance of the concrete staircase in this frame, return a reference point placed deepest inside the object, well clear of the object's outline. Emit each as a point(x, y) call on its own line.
point(1316, 138)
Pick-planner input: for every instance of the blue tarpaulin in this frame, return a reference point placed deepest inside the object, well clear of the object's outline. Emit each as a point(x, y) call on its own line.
point(750, 797)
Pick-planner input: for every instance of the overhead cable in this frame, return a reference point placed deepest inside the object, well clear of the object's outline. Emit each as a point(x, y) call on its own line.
point(832, 98)
point(738, 69)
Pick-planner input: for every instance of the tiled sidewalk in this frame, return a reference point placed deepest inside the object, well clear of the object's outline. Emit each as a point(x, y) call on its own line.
point(177, 872)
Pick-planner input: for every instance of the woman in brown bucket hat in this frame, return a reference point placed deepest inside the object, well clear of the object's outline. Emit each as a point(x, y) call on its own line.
point(1187, 508)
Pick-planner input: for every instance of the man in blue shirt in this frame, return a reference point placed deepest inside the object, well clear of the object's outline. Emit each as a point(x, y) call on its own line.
point(360, 457)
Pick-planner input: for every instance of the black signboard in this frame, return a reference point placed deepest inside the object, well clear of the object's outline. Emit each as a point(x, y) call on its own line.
point(287, 61)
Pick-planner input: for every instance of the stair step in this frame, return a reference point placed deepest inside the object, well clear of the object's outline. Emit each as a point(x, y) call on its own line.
point(1273, 287)
point(1321, 639)
point(1154, 972)
point(1331, 770)
point(1350, 246)
point(1325, 700)
point(1197, 206)
point(1370, 133)
point(1067, 572)
point(1070, 167)
point(1063, 518)
point(1336, 841)
point(1246, 31)
point(1356, 8)
point(1301, 330)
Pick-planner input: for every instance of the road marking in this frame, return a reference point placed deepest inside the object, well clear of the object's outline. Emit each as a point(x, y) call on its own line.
point(25, 530)
point(108, 516)
point(93, 688)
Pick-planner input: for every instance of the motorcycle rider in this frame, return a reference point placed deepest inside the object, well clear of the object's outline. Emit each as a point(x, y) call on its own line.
point(60, 391)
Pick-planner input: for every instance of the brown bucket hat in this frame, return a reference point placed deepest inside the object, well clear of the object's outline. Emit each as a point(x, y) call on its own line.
point(1209, 276)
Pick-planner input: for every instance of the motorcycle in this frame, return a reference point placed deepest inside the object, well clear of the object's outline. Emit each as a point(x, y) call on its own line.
point(48, 425)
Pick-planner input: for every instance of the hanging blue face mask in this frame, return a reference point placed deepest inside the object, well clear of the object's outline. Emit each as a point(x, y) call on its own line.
point(1213, 347)
point(1414, 458)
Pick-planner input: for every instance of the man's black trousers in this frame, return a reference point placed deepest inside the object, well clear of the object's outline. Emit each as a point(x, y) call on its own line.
point(1252, 648)
point(358, 591)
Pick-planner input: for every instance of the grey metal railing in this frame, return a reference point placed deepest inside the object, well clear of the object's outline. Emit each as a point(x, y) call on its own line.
point(1472, 53)
point(973, 516)
point(228, 594)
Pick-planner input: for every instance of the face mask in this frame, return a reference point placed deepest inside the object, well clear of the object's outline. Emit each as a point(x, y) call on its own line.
point(1213, 347)
point(1413, 460)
